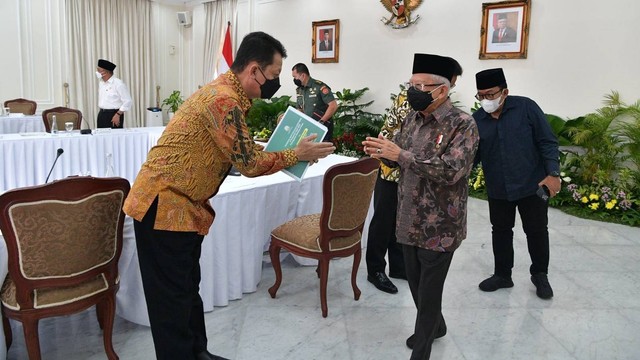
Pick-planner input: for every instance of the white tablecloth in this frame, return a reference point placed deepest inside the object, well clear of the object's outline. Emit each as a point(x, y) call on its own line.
point(21, 124)
point(25, 159)
point(247, 209)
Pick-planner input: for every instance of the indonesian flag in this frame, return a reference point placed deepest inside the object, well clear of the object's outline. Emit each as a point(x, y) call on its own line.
point(224, 63)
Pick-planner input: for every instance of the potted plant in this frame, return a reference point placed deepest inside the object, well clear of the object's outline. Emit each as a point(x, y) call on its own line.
point(263, 115)
point(352, 123)
point(173, 101)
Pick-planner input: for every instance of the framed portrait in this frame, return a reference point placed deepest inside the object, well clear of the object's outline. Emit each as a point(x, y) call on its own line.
point(325, 44)
point(505, 30)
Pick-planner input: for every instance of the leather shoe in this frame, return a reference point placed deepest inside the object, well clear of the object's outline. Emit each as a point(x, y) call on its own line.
point(494, 283)
point(205, 355)
point(411, 340)
point(543, 289)
point(382, 282)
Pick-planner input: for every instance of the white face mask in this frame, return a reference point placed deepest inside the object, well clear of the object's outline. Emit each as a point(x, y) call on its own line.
point(98, 75)
point(491, 106)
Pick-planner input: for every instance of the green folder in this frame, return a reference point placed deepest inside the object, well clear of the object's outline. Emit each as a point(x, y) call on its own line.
point(292, 128)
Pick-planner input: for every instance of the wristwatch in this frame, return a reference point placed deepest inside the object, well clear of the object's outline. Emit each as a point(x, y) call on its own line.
point(119, 113)
point(554, 174)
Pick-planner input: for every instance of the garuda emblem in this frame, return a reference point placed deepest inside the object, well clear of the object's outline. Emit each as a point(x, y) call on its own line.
point(400, 12)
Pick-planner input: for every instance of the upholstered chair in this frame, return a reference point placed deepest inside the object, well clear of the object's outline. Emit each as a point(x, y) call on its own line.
point(336, 231)
point(63, 240)
point(63, 115)
point(24, 106)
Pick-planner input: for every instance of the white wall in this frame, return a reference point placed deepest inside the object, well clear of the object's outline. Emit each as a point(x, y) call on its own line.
point(579, 50)
point(31, 51)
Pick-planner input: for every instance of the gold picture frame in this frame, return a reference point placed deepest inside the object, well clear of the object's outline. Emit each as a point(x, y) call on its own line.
point(325, 43)
point(504, 33)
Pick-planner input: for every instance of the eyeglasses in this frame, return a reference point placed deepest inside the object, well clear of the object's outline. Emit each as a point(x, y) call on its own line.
point(488, 96)
point(421, 87)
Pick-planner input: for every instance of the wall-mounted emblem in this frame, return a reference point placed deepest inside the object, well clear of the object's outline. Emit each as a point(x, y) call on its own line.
point(400, 12)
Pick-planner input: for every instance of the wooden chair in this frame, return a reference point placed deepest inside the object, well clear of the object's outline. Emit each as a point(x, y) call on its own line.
point(336, 231)
point(24, 106)
point(63, 115)
point(64, 240)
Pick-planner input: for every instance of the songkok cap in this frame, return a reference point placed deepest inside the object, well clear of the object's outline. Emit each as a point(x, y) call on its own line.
point(106, 64)
point(502, 16)
point(433, 64)
point(486, 79)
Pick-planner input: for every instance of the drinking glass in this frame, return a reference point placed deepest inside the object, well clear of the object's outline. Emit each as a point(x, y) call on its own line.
point(68, 126)
point(7, 111)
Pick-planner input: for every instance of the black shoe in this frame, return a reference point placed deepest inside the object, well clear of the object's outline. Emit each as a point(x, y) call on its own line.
point(411, 340)
point(494, 283)
point(398, 275)
point(205, 355)
point(543, 289)
point(382, 282)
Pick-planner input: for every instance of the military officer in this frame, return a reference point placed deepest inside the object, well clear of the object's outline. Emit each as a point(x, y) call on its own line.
point(314, 98)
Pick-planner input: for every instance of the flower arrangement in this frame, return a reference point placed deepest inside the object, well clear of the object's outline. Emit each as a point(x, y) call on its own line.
point(476, 183)
point(346, 144)
point(609, 202)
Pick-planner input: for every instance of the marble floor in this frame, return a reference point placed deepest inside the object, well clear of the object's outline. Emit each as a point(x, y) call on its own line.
point(595, 314)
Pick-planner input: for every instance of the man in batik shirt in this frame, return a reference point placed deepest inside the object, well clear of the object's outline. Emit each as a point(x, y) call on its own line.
point(434, 151)
point(169, 200)
point(382, 229)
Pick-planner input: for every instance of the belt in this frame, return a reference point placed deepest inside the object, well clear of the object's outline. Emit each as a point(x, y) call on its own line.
point(101, 110)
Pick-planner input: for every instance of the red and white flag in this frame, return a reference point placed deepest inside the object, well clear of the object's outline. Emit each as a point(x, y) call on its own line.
point(225, 61)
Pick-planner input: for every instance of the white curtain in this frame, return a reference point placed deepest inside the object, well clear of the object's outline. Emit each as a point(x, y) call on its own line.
point(121, 32)
point(218, 14)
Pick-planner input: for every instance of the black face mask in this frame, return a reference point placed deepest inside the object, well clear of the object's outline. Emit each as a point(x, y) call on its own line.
point(269, 87)
point(419, 100)
point(297, 82)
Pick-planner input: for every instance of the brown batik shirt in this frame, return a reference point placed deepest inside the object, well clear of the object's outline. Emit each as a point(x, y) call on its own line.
point(435, 163)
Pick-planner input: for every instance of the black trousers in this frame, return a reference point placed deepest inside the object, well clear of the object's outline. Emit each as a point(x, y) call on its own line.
point(329, 136)
point(426, 273)
point(170, 267)
point(105, 116)
point(533, 213)
point(382, 230)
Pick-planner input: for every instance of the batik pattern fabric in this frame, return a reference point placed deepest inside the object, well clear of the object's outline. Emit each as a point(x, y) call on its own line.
point(435, 163)
point(193, 156)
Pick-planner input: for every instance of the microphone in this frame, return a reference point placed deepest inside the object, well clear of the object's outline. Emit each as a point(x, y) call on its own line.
point(60, 151)
point(86, 131)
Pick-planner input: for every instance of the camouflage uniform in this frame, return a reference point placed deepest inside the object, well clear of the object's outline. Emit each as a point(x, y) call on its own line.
point(313, 100)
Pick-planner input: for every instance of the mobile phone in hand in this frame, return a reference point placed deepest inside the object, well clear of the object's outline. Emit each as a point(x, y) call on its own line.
point(543, 193)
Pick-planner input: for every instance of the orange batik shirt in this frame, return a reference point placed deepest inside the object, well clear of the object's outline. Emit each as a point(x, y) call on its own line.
point(193, 156)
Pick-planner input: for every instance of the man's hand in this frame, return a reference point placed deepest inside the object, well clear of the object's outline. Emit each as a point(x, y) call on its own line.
point(381, 147)
point(115, 120)
point(307, 150)
point(552, 183)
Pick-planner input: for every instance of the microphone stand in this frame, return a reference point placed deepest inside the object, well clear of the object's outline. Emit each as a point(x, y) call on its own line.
point(60, 151)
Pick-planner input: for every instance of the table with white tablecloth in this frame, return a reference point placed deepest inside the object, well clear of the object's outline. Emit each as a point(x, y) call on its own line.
point(26, 158)
point(247, 209)
point(18, 123)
